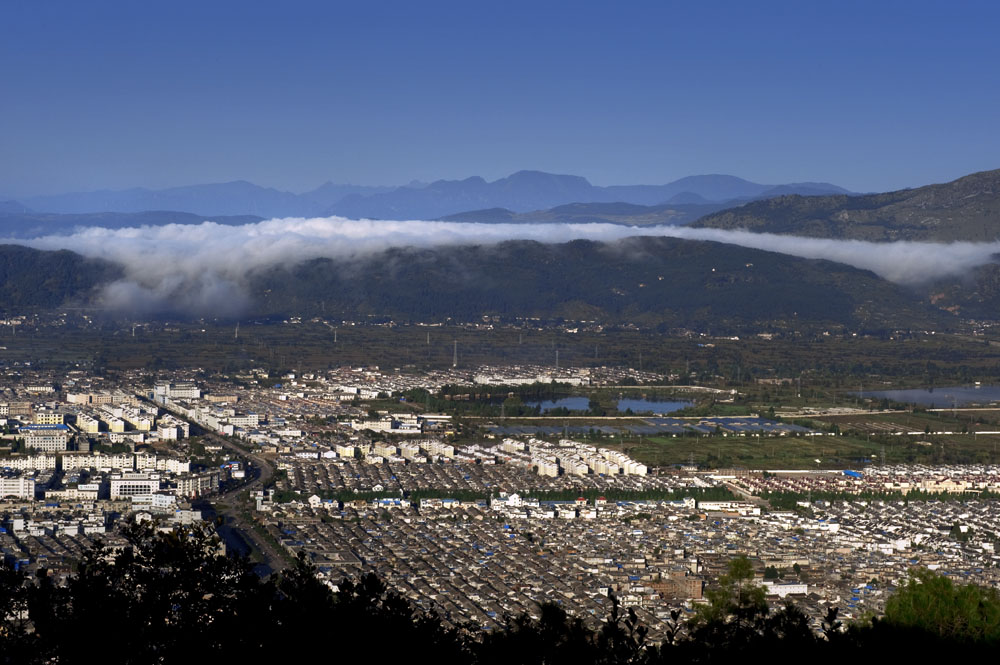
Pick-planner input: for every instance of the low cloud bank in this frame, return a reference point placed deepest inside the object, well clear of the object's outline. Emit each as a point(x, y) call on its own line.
point(203, 268)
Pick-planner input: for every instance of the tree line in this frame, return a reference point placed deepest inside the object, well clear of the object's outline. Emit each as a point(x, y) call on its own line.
point(171, 597)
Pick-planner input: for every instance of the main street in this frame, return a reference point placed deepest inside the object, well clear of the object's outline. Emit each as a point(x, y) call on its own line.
point(234, 504)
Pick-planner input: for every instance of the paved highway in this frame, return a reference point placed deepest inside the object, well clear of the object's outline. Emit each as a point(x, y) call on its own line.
point(232, 504)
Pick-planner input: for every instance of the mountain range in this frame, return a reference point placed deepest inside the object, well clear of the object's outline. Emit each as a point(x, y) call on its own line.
point(520, 192)
point(591, 213)
point(654, 281)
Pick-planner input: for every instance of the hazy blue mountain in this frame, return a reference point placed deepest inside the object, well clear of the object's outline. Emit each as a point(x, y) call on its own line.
point(330, 193)
point(629, 214)
point(32, 225)
point(526, 191)
point(801, 189)
point(488, 216)
point(520, 192)
point(13, 206)
point(230, 198)
point(688, 197)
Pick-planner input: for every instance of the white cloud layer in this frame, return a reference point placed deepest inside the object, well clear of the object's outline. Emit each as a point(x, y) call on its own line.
point(203, 267)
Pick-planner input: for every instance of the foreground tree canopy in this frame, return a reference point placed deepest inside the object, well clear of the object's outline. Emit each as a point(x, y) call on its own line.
point(171, 597)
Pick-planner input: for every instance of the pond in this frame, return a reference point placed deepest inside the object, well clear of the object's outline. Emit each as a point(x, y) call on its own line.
point(941, 398)
point(656, 407)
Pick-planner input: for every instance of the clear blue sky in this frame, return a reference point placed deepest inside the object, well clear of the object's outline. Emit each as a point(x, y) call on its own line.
point(868, 95)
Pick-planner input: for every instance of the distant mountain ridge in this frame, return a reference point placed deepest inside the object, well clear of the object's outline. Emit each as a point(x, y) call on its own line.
point(965, 209)
point(520, 192)
point(13, 206)
point(230, 198)
point(527, 191)
point(629, 214)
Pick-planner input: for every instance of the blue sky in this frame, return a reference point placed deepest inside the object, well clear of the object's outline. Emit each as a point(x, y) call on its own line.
point(867, 95)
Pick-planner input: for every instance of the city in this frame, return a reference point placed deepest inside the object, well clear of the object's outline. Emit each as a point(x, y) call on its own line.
point(499, 333)
point(475, 528)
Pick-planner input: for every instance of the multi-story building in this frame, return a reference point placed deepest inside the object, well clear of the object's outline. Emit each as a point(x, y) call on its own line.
point(48, 438)
point(49, 417)
point(29, 462)
point(21, 487)
point(178, 390)
point(114, 423)
point(131, 484)
point(87, 424)
point(198, 484)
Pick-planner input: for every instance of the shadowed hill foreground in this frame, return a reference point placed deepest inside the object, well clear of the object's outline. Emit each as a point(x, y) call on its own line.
point(170, 597)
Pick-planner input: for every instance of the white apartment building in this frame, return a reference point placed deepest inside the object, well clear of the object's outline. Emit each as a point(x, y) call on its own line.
point(30, 463)
point(48, 438)
point(22, 487)
point(130, 484)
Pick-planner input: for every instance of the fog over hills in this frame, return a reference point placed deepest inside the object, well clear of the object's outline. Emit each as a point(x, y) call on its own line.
point(210, 269)
point(655, 282)
point(169, 261)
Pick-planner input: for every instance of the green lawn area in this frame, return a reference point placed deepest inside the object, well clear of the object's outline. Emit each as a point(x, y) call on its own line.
point(802, 452)
point(916, 421)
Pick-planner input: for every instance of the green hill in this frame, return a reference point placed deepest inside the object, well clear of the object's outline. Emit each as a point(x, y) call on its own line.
point(31, 278)
point(651, 281)
point(965, 209)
